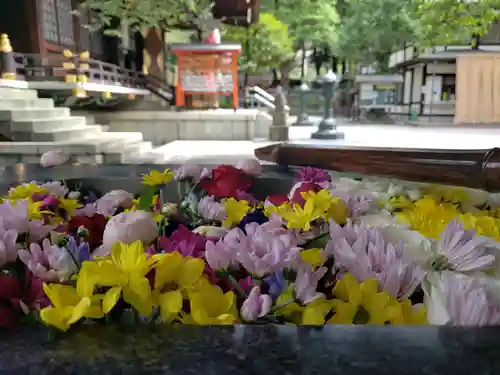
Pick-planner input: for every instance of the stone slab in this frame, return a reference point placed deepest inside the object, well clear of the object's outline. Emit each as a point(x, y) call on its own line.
point(249, 350)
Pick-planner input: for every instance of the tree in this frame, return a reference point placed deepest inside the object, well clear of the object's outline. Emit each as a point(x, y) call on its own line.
point(370, 30)
point(445, 22)
point(309, 22)
point(193, 14)
point(266, 44)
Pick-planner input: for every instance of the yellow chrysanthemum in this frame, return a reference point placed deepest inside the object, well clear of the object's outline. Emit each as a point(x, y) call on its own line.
point(69, 205)
point(484, 225)
point(174, 275)
point(326, 206)
point(363, 303)
point(280, 210)
point(301, 218)
point(157, 178)
point(209, 305)
point(235, 211)
point(26, 191)
point(125, 273)
point(312, 257)
point(428, 216)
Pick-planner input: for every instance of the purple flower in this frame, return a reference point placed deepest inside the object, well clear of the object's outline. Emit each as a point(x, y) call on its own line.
point(209, 209)
point(218, 255)
point(50, 202)
point(462, 249)
point(363, 252)
point(185, 242)
point(259, 251)
point(56, 188)
point(15, 217)
point(276, 283)
point(256, 216)
point(356, 203)
point(80, 252)
point(462, 301)
point(48, 262)
point(244, 196)
point(8, 246)
point(314, 176)
point(306, 283)
point(256, 305)
point(88, 210)
point(190, 171)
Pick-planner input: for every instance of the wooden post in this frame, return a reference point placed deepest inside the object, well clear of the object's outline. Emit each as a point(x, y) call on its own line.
point(7, 63)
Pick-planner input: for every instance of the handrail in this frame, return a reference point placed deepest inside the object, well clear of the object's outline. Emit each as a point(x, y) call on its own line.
point(263, 97)
point(34, 67)
point(262, 92)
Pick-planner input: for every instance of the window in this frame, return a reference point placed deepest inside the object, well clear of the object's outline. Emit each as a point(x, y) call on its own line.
point(448, 88)
point(58, 22)
point(50, 21)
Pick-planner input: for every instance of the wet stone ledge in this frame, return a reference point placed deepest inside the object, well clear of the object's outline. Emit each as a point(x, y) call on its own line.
point(249, 350)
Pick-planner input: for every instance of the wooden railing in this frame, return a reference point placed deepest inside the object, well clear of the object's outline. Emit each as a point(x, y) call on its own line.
point(75, 68)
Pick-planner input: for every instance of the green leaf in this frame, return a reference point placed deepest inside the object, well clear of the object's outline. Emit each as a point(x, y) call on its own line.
point(146, 198)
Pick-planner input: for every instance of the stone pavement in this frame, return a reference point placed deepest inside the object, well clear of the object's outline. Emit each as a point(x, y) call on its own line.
point(398, 136)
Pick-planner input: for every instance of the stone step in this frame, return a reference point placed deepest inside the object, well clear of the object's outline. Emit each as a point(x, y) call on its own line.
point(47, 125)
point(77, 133)
point(13, 104)
point(104, 142)
point(12, 93)
point(86, 146)
point(34, 114)
point(127, 153)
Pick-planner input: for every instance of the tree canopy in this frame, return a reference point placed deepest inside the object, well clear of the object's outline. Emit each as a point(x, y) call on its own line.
point(444, 22)
point(191, 14)
point(371, 29)
point(266, 44)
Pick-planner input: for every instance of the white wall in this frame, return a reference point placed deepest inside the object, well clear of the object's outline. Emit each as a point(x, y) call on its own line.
point(408, 87)
point(417, 83)
point(441, 68)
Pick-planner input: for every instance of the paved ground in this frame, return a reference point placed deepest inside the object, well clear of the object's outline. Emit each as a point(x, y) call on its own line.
point(355, 135)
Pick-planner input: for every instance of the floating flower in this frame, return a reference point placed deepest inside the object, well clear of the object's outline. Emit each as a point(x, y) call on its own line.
point(190, 172)
point(49, 262)
point(365, 254)
point(235, 210)
point(363, 303)
point(209, 305)
point(209, 209)
point(250, 166)
point(260, 252)
point(8, 246)
point(125, 273)
point(111, 201)
point(315, 176)
point(256, 305)
point(460, 300)
point(174, 274)
point(184, 241)
point(157, 178)
point(306, 283)
point(53, 158)
point(127, 228)
point(68, 307)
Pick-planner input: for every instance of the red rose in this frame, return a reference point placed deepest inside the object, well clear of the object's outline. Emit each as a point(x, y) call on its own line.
point(277, 199)
point(95, 225)
point(225, 182)
point(305, 187)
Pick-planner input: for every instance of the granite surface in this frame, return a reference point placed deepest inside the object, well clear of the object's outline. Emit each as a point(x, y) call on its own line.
point(273, 180)
point(253, 350)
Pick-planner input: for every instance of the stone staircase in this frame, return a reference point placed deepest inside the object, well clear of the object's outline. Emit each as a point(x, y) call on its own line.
point(30, 126)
